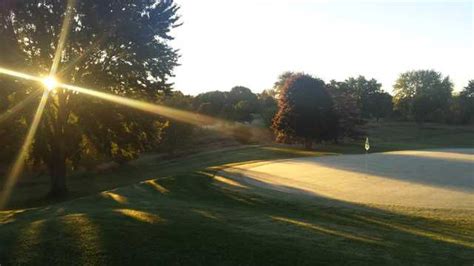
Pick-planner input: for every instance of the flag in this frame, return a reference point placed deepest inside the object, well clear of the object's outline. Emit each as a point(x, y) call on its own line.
point(367, 145)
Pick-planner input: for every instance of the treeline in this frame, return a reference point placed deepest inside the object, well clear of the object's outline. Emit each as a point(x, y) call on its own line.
point(302, 108)
point(299, 108)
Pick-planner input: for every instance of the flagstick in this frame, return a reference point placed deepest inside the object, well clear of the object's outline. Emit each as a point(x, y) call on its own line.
point(366, 171)
point(367, 147)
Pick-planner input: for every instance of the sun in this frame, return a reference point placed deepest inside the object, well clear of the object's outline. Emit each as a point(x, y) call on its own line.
point(50, 83)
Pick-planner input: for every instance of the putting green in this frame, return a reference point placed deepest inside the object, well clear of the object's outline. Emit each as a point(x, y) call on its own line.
point(429, 178)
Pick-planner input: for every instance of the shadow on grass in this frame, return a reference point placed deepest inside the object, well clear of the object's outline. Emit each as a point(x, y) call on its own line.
point(196, 219)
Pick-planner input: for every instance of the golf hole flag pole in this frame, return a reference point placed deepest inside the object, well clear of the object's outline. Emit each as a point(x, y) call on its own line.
point(367, 148)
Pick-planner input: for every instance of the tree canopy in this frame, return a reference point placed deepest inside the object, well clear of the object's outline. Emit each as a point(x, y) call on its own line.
point(117, 47)
point(422, 95)
point(346, 109)
point(305, 111)
point(238, 104)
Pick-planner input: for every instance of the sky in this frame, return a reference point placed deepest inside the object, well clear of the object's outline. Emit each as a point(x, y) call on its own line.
point(225, 43)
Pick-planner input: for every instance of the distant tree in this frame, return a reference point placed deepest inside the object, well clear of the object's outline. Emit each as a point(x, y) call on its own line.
point(305, 111)
point(463, 105)
point(422, 95)
point(210, 103)
point(238, 104)
point(366, 93)
point(243, 110)
point(268, 106)
point(113, 46)
point(240, 93)
point(346, 110)
point(380, 105)
point(468, 91)
point(244, 103)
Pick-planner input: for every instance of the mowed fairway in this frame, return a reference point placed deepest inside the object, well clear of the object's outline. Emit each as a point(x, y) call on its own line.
point(430, 178)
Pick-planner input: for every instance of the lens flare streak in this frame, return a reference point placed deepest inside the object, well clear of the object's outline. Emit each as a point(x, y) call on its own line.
point(19, 106)
point(62, 36)
point(22, 155)
point(197, 119)
point(180, 115)
point(20, 75)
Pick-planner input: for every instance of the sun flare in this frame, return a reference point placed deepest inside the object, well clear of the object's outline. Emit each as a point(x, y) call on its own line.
point(50, 83)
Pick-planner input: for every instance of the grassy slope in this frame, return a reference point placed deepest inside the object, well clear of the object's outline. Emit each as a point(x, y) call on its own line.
point(186, 217)
point(383, 137)
point(191, 219)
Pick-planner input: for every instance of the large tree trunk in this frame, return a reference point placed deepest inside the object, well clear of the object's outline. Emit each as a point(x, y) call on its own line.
point(308, 144)
point(57, 165)
point(57, 171)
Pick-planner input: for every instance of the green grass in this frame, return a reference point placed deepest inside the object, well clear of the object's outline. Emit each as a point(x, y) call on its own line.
point(402, 136)
point(390, 136)
point(191, 219)
point(31, 192)
point(186, 217)
point(383, 137)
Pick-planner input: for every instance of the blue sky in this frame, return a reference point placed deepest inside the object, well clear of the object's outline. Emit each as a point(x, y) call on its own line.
point(225, 43)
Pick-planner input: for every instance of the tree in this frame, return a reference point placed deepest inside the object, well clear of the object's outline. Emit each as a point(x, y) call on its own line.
point(268, 106)
point(346, 110)
point(468, 91)
point(280, 83)
point(422, 95)
point(380, 105)
point(244, 103)
point(365, 91)
point(176, 134)
point(463, 105)
point(210, 103)
point(113, 46)
point(305, 111)
point(238, 104)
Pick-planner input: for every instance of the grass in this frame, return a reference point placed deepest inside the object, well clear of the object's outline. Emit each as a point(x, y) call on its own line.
point(178, 212)
point(193, 219)
point(30, 192)
point(403, 136)
point(383, 137)
point(391, 136)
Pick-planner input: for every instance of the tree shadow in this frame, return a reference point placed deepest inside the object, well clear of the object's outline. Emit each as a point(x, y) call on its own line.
point(202, 220)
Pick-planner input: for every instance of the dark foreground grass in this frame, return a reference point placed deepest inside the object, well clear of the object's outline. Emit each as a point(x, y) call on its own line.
point(192, 219)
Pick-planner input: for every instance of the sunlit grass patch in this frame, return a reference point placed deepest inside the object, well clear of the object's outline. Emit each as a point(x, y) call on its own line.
point(224, 180)
point(9, 216)
point(114, 196)
point(418, 232)
point(140, 215)
point(324, 230)
point(156, 186)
